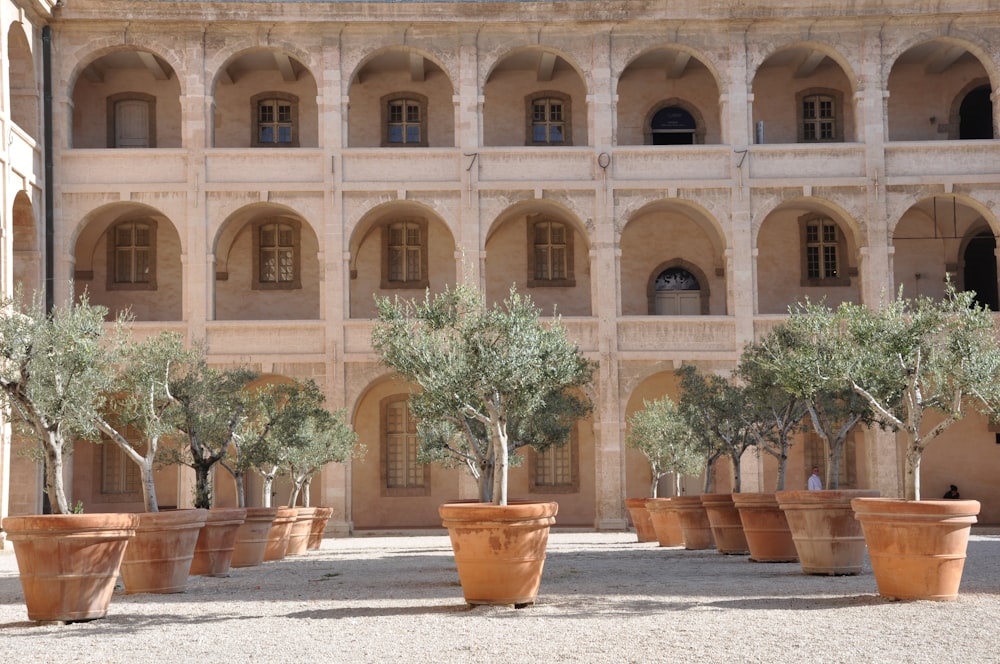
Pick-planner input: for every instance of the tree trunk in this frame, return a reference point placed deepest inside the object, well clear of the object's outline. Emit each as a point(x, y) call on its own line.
point(53, 475)
point(501, 463)
point(202, 487)
point(268, 484)
point(305, 491)
point(148, 488)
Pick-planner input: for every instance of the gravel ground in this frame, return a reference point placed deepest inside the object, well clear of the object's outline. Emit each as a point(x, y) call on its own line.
point(604, 598)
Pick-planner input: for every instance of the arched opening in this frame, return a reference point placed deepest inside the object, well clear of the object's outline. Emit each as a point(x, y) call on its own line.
point(673, 126)
point(676, 293)
point(976, 115)
point(980, 270)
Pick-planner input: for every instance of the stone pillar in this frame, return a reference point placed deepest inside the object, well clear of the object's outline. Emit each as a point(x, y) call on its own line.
point(738, 100)
point(608, 423)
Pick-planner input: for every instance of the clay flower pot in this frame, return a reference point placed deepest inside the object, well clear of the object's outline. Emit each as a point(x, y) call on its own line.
point(766, 528)
point(827, 537)
point(69, 562)
point(637, 511)
point(320, 519)
point(298, 536)
point(251, 537)
point(724, 519)
point(917, 548)
point(665, 522)
point(213, 552)
point(158, 559)
point(499, 550)
point(694, 522)
point(281, 530)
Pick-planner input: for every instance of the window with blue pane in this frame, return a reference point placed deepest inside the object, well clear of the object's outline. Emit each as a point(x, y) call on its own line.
point(405, 121)
point(275, 120)
point(548, 119)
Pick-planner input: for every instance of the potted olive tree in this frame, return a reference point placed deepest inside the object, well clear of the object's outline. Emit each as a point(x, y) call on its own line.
point(717, 410)
point(159, 558)
point(492, 380)
point(663, 436)
point(56, 370)
point(799, 356)
point(910, 359)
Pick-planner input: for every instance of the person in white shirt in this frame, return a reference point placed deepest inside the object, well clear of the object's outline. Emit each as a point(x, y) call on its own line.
point(815, 483)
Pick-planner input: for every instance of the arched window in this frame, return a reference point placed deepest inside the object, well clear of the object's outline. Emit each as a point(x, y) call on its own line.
point(673, 126)
point(404, 254)
point(677, 293)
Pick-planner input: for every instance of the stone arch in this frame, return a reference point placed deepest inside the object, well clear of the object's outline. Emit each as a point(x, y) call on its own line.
point(24, 95)
point(955, 114)
point(674, 102)
point(27, 257)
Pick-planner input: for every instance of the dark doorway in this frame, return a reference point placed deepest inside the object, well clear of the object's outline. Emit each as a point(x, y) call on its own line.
point(976, 115)
point(672, 126)
point(981, 270)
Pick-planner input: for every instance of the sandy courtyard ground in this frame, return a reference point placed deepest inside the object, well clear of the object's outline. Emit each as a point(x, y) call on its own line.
point(604, 598)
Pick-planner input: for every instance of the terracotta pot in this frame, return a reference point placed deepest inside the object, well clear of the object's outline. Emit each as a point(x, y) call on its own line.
point(827, 537)
point(724, 519)
point(665, 522)
point(251, 537)
point(277, 537)
point(917, 548)
point(766, 528)
point(298, 536)
point(213, 552)
point(69, 562)
point(637, 511)
point(499, 550)
point(694, 522)
point(320, 519)
point(158, 558)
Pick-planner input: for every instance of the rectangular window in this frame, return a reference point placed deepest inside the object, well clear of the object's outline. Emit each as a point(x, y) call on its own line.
point(404, 122)
point(275, 117)
point(548, 122)
point(277, 253)
point(819, 118)
point(402, 473)
point(555, 469)
point(405, 261)
point(132, 256)
point(119, 474)
point(551, 254)
point(821, 249)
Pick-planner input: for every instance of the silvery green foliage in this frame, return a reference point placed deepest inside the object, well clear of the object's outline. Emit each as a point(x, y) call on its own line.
point(492, 379)
point(56, 369)
point(662, 434)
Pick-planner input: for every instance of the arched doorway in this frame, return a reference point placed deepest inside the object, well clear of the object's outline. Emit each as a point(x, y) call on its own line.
point(678, 293)
point(672, 126)
point(980, 272)
point(976, 115)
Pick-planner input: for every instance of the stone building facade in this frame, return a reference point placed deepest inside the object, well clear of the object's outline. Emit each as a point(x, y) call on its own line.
point(669, 177)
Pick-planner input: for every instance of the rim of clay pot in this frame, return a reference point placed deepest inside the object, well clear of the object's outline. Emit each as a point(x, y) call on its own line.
point(513, 511)
point(931, 508)
point(15, 526)
point(659, 504)
point(806, 499)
